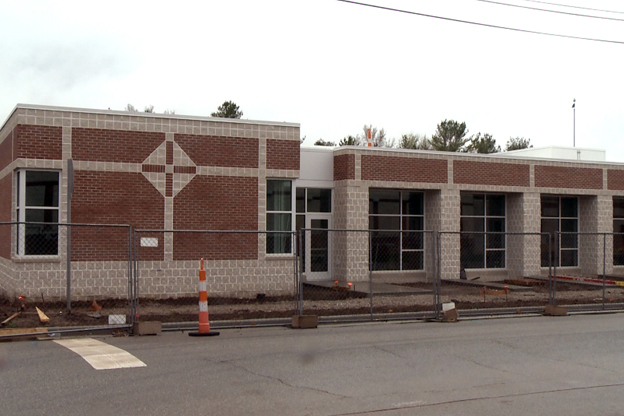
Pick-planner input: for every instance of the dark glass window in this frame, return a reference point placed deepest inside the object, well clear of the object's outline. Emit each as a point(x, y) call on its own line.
point(482, 223)
point(559, 214)
point(402, 211)
point(384, 202)
point(300, 200)
point(618, 230)
point(550, 206)
point(319, 200)
point(279, 217)
point(38, 206)
point(472, 204)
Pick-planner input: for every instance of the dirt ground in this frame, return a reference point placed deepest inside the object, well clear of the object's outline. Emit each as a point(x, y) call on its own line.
point(316, 301)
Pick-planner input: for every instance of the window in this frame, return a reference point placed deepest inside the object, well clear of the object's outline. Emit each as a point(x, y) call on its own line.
point(403, 211)
point(482, 216)
point(560, 214)
point(37, 206)
point(618, 229)
point(311, 200)
point(279, 216)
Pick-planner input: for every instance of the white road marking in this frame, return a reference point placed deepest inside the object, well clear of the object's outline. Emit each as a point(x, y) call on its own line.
point(100, 355)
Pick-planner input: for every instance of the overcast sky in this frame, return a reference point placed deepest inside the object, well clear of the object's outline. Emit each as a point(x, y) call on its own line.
point(329, 65)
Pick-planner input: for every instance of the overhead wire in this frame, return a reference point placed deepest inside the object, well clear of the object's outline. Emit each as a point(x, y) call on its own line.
point(550, 11)
point(575, 7)
point(449, 19)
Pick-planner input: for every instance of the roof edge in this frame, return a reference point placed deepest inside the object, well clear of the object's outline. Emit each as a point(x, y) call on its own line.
point(143, 114)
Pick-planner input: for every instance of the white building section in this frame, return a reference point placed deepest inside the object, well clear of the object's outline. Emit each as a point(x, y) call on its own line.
point(557, 152)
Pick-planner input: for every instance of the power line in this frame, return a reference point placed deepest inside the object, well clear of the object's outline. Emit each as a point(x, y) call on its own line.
point(575, 7)
point(478, 24)
point(550, 11)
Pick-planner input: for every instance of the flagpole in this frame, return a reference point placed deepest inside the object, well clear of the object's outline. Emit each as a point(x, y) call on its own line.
point(574, 123)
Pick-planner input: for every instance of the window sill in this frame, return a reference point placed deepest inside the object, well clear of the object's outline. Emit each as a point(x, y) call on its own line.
point(37, 259)
point(279, 256)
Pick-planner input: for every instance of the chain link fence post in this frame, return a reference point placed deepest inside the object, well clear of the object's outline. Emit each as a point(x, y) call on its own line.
point(370, 272)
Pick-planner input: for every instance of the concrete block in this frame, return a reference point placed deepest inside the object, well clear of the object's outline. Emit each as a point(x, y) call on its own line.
point(450, 315)
point(304, 321)
point(553, 310)
point(449, 312)
point(147, 328)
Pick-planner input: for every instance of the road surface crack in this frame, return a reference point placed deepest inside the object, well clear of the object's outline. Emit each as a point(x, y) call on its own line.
point(281, 381)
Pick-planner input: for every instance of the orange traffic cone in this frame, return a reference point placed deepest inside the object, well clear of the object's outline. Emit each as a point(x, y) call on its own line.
point(204, 322)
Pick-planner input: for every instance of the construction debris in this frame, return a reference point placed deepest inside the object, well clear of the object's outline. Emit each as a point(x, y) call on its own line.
point(10, 318)
point(42, 316)
point(95, 307)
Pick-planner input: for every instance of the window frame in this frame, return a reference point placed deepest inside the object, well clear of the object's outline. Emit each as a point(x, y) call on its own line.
point(402, 217)
point(487, 235)
point(301, 214)
point(574, 242)
point(618, 236)
point(21, 210)
point(288, 246)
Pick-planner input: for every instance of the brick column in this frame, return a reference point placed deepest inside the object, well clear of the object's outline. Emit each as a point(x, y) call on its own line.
point(523, 251)
point(595, 216)
point(447, 218)
point(351, 249)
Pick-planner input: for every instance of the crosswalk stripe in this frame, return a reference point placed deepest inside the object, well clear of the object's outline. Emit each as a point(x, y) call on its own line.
point(100, 355)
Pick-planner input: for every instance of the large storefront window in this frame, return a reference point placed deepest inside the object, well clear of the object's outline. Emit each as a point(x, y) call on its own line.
point(618, 229)
point(399, 215)
point(560, 214)
point(482, 218)
point(37, 204)
point(279, 216)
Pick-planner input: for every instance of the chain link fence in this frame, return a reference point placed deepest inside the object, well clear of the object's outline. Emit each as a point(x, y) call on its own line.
point(249, 275)
point(86, 275)
point(364, 274)
point(75, 274)
point(588, 269)
point(483, 271)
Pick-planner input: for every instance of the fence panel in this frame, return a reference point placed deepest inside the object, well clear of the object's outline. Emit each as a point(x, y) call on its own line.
point(77, 274)
point(483, 271)
point(586, 269)
point(249, 274)
point(363, 274)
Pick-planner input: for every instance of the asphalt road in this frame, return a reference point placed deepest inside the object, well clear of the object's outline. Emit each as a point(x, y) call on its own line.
point(542, 365)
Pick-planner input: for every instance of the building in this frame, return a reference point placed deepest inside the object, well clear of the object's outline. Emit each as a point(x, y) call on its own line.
point(158, 172)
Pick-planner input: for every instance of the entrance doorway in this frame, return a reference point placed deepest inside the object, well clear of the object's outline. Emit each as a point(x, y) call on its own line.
point(318, 247)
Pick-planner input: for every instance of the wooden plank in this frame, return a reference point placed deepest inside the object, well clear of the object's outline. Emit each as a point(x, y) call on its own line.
point(10, 318)
point(42, 316)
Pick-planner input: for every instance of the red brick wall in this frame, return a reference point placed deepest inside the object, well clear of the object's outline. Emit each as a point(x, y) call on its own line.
point(216, 203)
point(6, 151)
point(344, 167)
point(220, 151)
point(562, 177)
point(403, 169)
point(282, 154)
point(113, 198)
point(484, 173)
point(6, 190)
point(37, 142)
point(615, 180)
point(114, 145)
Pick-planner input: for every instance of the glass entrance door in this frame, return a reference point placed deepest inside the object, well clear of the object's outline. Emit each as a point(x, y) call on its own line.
point(318, 253)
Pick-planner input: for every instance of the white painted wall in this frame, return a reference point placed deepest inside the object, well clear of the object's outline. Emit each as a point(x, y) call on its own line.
point(316, 167)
